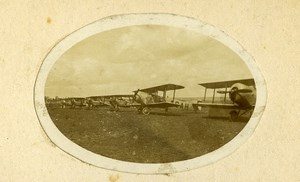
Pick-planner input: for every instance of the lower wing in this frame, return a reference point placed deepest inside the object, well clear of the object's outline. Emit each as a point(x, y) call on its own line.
point(162, 105)
point(157, 105)
point(216, 105)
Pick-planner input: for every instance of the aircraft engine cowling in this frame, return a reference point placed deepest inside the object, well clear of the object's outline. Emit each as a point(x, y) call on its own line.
point(238, 94)
point(137, 98)
point(143, 98)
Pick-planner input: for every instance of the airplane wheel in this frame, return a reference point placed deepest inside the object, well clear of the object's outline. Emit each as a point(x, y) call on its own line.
point(146, 111)
point(139, 110)
point(233, 116)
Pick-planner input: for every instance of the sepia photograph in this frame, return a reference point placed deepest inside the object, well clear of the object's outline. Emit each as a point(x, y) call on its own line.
point(150, 94)
point(159, 91)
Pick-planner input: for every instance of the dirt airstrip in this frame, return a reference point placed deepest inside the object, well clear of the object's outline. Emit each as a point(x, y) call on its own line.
point(155, 138)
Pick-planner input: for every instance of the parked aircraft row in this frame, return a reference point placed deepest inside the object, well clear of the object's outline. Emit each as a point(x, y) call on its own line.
point(242, 95)
point(91, 102)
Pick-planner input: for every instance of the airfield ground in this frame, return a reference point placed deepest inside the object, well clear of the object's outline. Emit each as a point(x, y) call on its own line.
point(156, 138)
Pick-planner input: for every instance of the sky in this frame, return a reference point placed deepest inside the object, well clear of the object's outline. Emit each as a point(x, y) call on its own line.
point(122, 60)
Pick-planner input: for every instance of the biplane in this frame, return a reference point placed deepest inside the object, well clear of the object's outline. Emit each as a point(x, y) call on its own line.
point(78, 102)
point(53, 102)
point(95, 101)
point(149, 98)
point(114, 101)
point(73, 102)
point(65, 102)
point(242, 95)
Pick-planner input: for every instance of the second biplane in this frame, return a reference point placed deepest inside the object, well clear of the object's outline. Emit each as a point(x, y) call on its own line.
point(149, 98)
point(114, 101)
point(73, 102)
point(242, 94)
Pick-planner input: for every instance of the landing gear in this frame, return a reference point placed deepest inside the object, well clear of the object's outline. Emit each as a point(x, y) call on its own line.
point(143, 110)
point(146, 111)
point(233, 116)
point(114, 108)
point(166, 109)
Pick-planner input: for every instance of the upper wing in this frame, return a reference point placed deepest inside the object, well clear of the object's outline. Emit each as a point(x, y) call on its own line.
point(224, 84)
point(120, 95)
point(217, 105)
point(109, 96)
point(165, 87)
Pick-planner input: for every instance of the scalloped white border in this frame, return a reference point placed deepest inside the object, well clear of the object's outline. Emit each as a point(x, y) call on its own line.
point(119, 21)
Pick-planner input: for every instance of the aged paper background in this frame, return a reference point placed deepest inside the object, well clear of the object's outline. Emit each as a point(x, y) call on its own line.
point(268, 30)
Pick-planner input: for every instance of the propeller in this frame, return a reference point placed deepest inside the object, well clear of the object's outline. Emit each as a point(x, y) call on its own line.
point(244, 91)
point(135, 94)
point(222, 92)
point(136, 91)
point(235, 90)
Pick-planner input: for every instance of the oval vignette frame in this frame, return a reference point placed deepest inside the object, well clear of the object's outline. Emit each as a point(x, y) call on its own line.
point(119, 21)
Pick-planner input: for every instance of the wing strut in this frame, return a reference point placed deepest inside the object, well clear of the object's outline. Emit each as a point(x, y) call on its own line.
point(213, 100)
point(225, 93)
point(205, 94)
point(174, 96)
point(164, 94)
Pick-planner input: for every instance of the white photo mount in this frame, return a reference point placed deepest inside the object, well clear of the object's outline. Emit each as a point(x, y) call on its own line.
point(119, 21)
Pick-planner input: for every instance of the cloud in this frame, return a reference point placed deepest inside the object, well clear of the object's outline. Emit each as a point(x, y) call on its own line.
point(125, 59)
